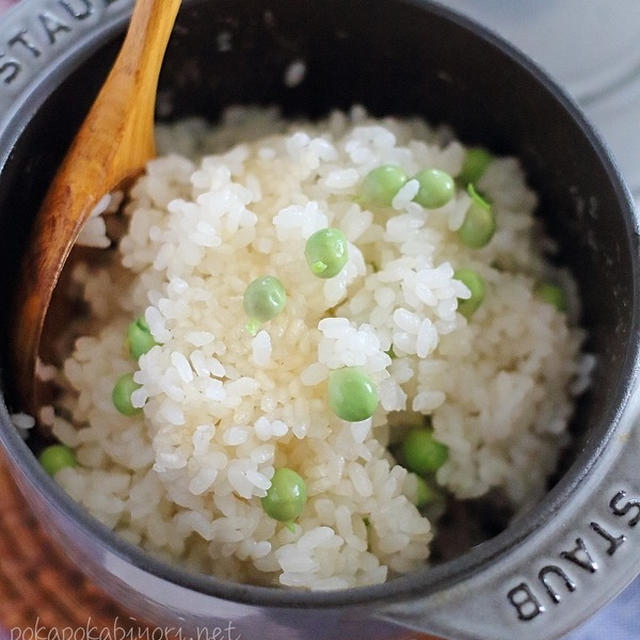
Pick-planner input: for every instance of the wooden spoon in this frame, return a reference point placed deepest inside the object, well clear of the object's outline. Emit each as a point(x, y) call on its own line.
point(113, 144)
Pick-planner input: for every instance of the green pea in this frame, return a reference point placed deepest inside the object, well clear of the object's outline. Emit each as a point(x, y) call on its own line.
point(479, 223)
point(424, 493)
point(436, 188)
point(286, 497)
point(139, 338)
point(57, 457)
point(552, 294)
point(475, 283)
point(121, 395)
point(352, 395)
point(422, 452)
point(264, 299)
point(474, 166)
point(381, 185)
point(326, 252)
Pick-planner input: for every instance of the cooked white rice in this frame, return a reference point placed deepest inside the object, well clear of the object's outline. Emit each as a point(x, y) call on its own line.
point(222, 409)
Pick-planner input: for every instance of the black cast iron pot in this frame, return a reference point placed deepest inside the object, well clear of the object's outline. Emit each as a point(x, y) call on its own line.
point(546, 572)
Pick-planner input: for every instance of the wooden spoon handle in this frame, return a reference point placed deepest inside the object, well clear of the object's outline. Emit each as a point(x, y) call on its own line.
point(114, 142)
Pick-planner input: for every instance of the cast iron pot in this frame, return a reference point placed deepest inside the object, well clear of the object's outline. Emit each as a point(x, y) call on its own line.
point(548, 570)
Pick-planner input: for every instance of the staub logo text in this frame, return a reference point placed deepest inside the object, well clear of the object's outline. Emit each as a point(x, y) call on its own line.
point(530, 599)
point(30, 43)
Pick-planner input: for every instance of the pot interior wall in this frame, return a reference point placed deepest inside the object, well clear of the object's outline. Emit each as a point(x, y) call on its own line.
point(394, 58)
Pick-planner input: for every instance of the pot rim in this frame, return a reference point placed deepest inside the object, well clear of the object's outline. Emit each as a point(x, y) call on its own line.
point(424, 581)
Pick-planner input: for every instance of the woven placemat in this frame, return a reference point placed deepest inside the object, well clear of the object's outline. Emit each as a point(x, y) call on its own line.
point(40, 588)
point(38, 584)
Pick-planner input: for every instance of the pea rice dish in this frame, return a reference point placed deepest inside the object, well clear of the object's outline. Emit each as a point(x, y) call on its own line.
point(304, 340)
